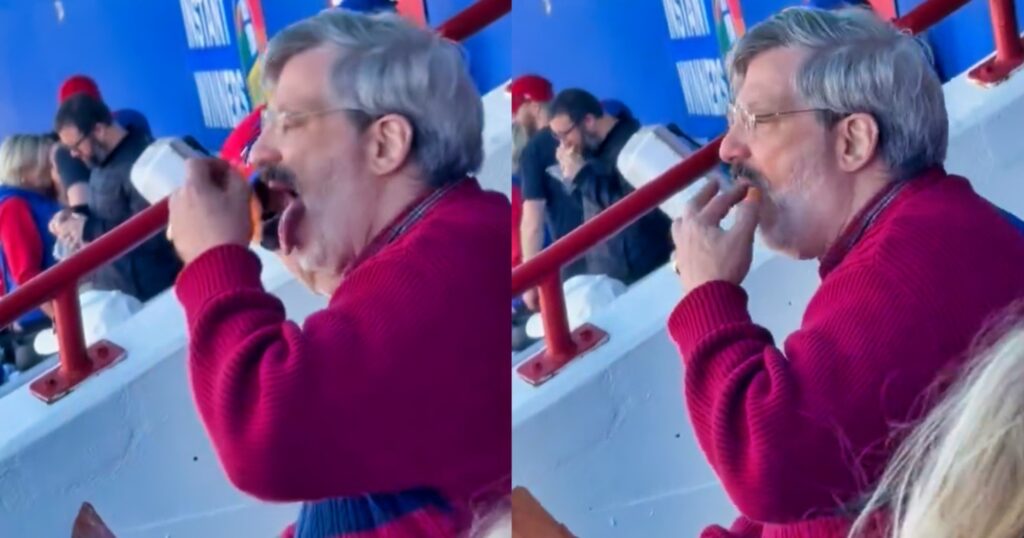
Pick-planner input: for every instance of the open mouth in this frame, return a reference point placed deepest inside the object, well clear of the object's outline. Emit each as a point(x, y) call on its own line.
point(282, 210)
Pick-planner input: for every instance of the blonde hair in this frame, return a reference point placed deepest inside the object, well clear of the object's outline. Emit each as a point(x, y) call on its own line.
point(960, 474)
point(24, 160)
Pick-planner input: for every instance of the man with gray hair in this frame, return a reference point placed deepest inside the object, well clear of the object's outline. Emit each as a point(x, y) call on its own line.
point(388, 412)
point(837, 136)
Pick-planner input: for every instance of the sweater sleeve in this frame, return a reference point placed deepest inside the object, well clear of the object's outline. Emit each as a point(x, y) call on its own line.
point(23, 248)
point(794, 430)
point(299, 413)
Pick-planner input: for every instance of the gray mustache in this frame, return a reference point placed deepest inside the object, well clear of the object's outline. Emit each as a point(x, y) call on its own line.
point(741, 170)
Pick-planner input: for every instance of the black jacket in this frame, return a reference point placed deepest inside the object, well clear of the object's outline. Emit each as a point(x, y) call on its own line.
point(153, 265)
point(644, 245)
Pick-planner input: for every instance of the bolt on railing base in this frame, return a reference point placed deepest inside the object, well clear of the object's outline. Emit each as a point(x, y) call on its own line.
point(994, 70)
point(544, 365)
point(58, 382)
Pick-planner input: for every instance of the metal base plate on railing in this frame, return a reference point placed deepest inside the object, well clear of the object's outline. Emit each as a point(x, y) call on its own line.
point(543, 366)
point(57, 383)
point(993, 70)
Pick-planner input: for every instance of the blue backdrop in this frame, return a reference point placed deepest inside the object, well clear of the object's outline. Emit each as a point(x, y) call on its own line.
point(137, 50)
point(624, 49)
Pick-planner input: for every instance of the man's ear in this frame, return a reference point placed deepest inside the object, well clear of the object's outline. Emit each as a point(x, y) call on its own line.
point(389, 142)
point(856, 141)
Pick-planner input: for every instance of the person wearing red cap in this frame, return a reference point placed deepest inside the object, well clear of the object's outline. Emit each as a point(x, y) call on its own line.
point(547, 201)
point(530, 96)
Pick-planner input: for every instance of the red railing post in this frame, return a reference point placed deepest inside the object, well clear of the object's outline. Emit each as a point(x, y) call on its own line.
point(67, 320)
point(544, 268)
point(928, 14)
point(562, 345)
point(474, 18)
point(77, 362)
point(556, 322)
point(1009, 53)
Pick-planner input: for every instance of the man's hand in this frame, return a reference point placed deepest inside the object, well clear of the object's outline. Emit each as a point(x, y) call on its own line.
point(211, 209)
point(704, 251)
point(570, 160)
point(68, 227)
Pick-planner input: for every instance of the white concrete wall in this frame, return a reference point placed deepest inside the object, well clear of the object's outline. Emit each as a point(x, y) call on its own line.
point(496, 172)
point(606, 445)
point(129, 441)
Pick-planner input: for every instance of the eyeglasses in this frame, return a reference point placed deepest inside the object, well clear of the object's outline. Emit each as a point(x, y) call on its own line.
point(279, 122)
point(74, 147)
point(561, 135)
point(737, 116)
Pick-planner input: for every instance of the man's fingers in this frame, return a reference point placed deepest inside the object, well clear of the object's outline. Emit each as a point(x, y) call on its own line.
point(699, 200)
point(719, 207)
point(208, 173)
point(747, 215)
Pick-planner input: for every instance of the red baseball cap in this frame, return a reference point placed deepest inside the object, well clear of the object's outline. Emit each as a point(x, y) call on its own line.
point(529, 88)
point(77, 84)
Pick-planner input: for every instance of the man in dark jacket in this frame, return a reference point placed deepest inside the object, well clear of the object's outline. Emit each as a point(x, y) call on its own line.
point(87, 129)
point(72, 173)
point(590, 142)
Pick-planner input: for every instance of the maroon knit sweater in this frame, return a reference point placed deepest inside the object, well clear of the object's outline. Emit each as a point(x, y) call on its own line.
point(798, 432)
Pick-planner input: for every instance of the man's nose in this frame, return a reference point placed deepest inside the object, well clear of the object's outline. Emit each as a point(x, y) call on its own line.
point(733, 149)
point(264, 152)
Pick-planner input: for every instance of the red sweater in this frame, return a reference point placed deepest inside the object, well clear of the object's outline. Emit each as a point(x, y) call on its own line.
point(517, 220)
point(23, 248)
point(400, 384)
point(797, 432)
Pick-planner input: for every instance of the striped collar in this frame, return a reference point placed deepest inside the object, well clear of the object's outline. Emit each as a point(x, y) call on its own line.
point(870, 214)
point(413, 214)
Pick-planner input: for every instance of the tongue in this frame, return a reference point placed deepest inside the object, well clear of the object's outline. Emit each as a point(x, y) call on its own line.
point(287, 229)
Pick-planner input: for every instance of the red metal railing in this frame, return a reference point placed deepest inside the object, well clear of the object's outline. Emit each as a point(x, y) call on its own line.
point(60, 282)
point(1009, 49)
point(563, 345)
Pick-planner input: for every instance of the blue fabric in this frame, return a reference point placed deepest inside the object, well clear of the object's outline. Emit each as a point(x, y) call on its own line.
point(616, 108)
point(368, 6)
point(43, 209)
point(133, 120)
point(1016, 222)
point(338, 517)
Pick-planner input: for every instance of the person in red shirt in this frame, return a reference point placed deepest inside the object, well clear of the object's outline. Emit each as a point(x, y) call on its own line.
point(28, 200)
point(837, 137)
point(387, 413)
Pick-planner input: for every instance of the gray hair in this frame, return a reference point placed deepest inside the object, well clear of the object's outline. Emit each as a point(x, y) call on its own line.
point(23, 157)
point(389, 66)
point(860, 63)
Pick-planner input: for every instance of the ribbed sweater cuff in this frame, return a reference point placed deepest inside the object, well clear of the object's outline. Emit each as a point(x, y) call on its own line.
point(705, 309)
point(220, 269)
point(823, 527)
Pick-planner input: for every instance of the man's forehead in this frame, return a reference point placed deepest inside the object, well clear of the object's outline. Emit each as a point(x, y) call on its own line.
point(303, 82)
point(770, 79)
point(561, 119)
point(68, 131)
